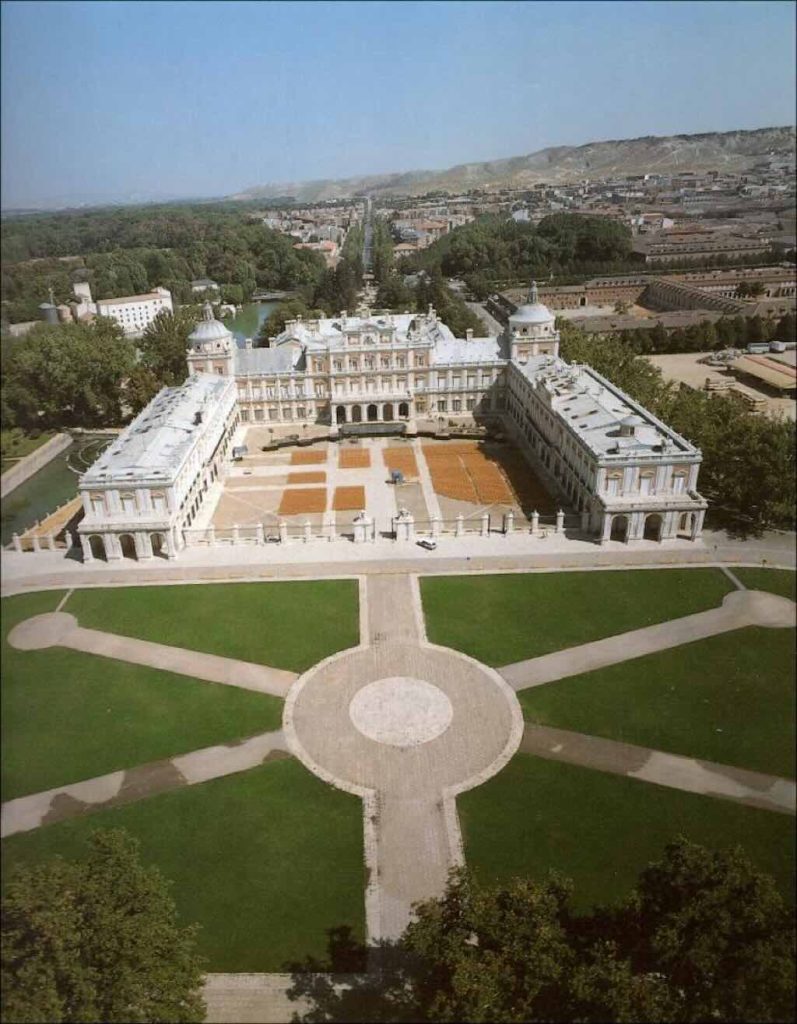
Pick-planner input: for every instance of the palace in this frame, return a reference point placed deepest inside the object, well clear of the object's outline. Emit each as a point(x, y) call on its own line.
point(601, 454)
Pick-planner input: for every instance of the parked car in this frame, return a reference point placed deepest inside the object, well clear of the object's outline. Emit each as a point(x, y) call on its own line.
point(429, 545)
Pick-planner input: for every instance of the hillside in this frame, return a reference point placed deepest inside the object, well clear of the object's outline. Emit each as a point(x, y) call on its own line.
point(722, 151)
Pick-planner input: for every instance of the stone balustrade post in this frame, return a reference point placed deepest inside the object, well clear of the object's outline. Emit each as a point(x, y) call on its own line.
point(332, 526)
point(51, 541)
point(234, 533)
point(34, 540)
point(437, 526)
point(211, 536)
point(260, 537)
point(410, 527)
point(307, 531)
point(560, 521)
point(485, 530)
point(509, 523)
point(86, 545)
point(459, 528)
point(283, 529)
point(16, 542)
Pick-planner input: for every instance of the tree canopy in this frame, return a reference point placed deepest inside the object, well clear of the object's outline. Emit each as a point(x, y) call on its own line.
point(66, 375)
point(703, 936)
point(97, 941)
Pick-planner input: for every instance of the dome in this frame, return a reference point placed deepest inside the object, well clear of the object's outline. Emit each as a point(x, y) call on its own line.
point(208, 329)
point(533, 311)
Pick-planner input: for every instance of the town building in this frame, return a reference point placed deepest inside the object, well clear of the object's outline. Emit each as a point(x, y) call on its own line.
point(133, 313)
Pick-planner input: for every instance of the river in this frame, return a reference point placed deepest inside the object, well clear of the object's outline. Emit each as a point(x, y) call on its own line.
point(247, 323)
point(54, 484)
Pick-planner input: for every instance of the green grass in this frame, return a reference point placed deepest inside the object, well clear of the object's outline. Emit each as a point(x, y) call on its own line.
point(15, 443)
point(777, 581)
point(508, 618)
point(265, 860)
point(728, 698)
point(289, 625)
point(68, 716)
point(601, 830)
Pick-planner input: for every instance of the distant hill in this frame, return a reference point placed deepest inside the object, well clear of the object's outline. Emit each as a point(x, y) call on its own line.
point(722, 151)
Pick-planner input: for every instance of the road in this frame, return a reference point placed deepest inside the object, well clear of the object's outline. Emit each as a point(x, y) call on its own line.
point(492, 325)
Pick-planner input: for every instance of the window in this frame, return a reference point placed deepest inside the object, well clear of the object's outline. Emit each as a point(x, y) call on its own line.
point(259, 415)
point(128, 501)
point(300, 412)
point(441, 380)
point(646, 483)
point(471, 380)
point(244, 415)
point(470, 404)
point(159, 501)
point(441, 405)
point(97, 504)
point(679, 482)
point(456, 405)
point(613, 483)
point(456, 380)
point(273, 413)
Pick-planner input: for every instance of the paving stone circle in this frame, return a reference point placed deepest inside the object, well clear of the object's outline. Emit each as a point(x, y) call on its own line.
point(401, 711)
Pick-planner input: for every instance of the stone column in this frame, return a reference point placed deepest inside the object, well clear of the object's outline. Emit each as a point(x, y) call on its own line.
point(283, 529)
point(143, 544)
point(535, 522)
point(169, 541)
point(485, 530)
point(437, 526)
point(459, 529)
point(85, 543)
point(697, 523)
point(260, 538)
point(307, 530)
point(332, 535)
point(410, 527)
point(51, 541)
point(211, 536)
point(606, 532)
point(509, 523)
point(234, 533)
point(560, 521)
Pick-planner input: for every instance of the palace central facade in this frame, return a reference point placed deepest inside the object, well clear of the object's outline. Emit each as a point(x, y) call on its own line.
point(602, 455)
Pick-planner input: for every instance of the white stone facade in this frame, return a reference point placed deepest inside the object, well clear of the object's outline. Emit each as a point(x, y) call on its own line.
point(601, 454)
point(133, 313)
point(153, 479)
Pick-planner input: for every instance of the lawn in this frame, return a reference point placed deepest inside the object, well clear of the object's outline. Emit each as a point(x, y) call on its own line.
point(288, 625)
point(15, 443)
point(506, 618)
point(728, 698)
point(777, 581)
point(68, 716)
point(601, 830)
point(265, 861)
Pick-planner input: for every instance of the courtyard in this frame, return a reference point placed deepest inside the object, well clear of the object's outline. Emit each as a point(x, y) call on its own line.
point(331, 482)
point(304, 740)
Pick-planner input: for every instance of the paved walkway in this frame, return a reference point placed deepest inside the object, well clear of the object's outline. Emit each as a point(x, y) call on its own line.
point(59, 629)
point(690, 774)
point(739, 608)
point(408, 788)
point(124, 787)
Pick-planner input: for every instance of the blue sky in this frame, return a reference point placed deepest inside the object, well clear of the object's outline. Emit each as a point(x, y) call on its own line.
point(103, 100)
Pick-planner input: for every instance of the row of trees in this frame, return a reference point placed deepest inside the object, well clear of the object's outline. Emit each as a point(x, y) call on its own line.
point(703, 936)
point(127, 252)
point(748, 470)
point(493, 249)
point(727, 332)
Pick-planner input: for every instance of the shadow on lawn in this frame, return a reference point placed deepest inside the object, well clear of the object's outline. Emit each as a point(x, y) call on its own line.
point(356, 983)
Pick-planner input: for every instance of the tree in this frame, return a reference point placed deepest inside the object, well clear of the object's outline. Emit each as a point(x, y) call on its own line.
point(703, 936)
point(164, 343)
point(97, 940)
point(68, 375)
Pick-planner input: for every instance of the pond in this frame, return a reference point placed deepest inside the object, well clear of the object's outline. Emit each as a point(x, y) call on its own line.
point(246, 323)
point(54, 484)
